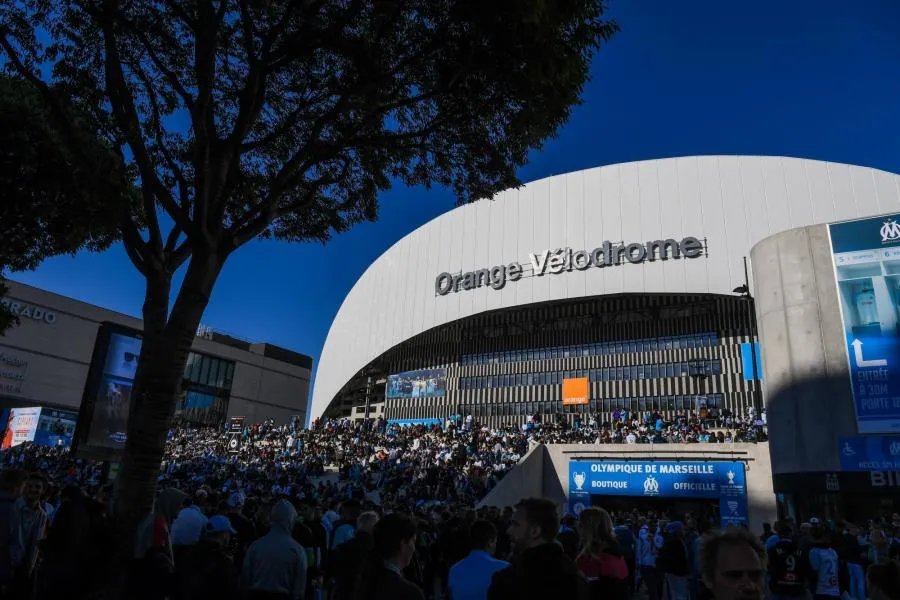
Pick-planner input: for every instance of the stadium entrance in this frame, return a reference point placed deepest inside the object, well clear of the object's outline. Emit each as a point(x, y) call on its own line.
point(657, 486)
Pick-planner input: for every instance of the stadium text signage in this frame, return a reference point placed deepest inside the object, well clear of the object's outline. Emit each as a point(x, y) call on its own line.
point(23, 310)
point(565, 260)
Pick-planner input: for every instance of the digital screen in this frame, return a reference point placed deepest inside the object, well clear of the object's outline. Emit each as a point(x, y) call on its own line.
point(55, 427)
point(112, 403)
point(426, 383)
point(21, 425)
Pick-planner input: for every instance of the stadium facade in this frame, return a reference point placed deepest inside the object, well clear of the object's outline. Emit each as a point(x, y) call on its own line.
point(622, 275)
point(632, 286)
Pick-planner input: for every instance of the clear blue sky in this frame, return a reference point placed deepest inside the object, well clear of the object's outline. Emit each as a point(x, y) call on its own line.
point(797, 78)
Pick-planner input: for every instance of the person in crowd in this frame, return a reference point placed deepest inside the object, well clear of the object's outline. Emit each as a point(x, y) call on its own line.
point(600, 559)
point(213, 574)
point(345, 528)
point(67, 558)
point(624, 532)
point(152, 576)
point(28, 527)
point(850, 554)
point(245, 532)
point(540, 569)
point(733, 564)
point(675, 564)
point(883, 581)
point(767, 533)
point(11, 483)
point(345, 562)
point(191, 522)
point(823, 560)
point(788, 565)
point(394, 543)
point(275, 565)
point(649, 543)
point(470, 578)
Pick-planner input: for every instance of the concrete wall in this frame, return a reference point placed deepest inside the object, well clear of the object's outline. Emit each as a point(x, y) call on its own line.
point(57, 357)
point(805, 373)
point(544, 471)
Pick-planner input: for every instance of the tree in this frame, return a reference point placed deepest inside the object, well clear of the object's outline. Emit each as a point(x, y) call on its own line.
point(59, 194)
point(286, 118)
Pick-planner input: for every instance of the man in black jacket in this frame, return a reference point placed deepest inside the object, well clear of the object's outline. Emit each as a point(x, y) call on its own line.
point(540, 569)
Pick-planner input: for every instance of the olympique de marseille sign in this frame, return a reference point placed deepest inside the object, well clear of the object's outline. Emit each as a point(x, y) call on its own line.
point(565, 260)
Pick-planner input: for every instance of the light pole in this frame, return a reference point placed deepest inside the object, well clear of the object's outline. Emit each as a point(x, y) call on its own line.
point(744, 292)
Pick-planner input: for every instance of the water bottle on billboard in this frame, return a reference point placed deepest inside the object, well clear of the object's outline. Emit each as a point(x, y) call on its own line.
point(866, 308)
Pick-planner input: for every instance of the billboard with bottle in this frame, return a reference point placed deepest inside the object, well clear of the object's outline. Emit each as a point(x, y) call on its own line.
point(866, 257)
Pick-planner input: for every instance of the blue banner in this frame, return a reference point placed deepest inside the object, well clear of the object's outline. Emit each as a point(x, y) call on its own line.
point(870, 453)
point(866, 256)
point(725, 481)
point(409, 422)
point(747, 361)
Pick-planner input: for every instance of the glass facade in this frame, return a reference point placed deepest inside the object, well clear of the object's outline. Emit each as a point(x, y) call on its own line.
point(693, 368)
point(207, 386)
point(605, 405)
point(622, 347)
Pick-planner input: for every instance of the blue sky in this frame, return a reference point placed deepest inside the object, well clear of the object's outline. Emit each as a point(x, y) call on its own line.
point(799, 78)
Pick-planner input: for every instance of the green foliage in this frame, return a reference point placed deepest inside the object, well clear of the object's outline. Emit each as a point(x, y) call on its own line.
point(285, 118)
point(61, 191)
point(7, 319)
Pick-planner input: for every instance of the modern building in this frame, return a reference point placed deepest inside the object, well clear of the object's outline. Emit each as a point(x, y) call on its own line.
point(71, 357)
point(642, 286)
point(622, 275)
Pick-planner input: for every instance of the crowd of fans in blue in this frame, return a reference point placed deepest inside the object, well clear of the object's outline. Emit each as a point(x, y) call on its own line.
point(371, 511)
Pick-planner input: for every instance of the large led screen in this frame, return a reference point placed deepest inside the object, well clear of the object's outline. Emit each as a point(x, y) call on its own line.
point(112, 402)
point(426, 383)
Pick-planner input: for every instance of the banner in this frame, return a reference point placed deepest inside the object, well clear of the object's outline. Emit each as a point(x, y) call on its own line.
point(55, 427)
point(426, 383)
point(724, 481)
point(20, 426)
point(575, 391)
point(235, 433)
point(866, 255)
point(870, 453)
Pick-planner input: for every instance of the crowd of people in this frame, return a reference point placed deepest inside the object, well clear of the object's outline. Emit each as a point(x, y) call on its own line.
point(365, 511)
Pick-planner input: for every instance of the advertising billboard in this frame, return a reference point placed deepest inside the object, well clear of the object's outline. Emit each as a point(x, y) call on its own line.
point(866, 255)
point(575, 391)
point(112, 397)
point(21, 425)
point(425, 383)
point(55, 427)
point(723, 481)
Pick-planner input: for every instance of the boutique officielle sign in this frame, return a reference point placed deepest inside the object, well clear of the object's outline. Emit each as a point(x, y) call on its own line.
point(564, 260)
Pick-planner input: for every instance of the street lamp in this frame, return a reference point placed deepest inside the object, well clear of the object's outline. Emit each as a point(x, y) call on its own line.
point(744, 292)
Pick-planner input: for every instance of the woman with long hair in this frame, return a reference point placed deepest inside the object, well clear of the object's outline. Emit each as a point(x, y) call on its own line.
point(600, 560)
point(394, 546)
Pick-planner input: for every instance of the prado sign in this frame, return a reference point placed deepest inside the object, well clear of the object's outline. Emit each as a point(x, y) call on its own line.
point(565, 260)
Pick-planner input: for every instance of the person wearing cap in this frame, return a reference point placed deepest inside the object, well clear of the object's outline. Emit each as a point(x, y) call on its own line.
point(823, 560)
point(212, 573)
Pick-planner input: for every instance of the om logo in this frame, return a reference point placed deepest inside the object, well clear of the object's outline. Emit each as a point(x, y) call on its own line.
point(890, 231)
point(579, 480)
point(651, 486)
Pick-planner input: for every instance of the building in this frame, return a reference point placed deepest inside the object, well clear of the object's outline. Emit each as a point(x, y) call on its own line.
point(633, 286)
point(69, 357)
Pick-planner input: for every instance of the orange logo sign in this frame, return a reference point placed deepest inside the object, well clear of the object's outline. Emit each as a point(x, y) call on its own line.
point(575, 391)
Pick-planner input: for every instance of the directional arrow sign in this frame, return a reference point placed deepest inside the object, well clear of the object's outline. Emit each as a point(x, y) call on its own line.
point(860, 361)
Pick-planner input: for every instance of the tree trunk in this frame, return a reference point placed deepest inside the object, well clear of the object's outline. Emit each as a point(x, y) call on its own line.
point(158, 381)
